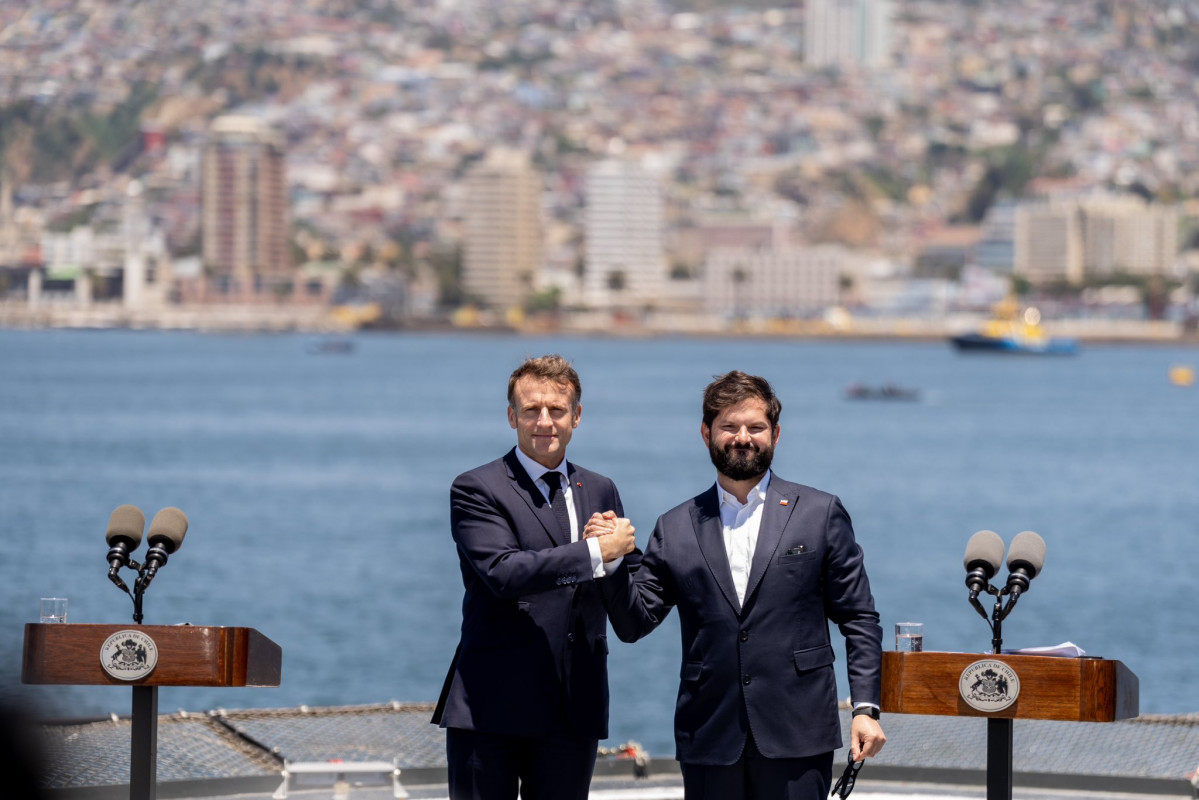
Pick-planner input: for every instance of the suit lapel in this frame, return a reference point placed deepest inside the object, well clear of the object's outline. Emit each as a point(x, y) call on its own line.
point(779, 503)
point(709, 532)
point(524, 486)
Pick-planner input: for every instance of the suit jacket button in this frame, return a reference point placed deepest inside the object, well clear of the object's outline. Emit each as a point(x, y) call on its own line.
point(570, 637)
point(745, 636)
point(746, 679)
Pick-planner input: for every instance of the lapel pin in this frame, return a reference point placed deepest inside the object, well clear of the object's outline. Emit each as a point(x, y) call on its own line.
point(579, 484)
point(782, 502)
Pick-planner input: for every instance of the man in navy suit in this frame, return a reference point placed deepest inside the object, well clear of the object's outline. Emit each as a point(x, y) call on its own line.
point(525, 702)
point(757, 567)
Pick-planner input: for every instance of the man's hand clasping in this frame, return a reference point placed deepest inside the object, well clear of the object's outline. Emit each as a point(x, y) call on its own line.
point(616, 534)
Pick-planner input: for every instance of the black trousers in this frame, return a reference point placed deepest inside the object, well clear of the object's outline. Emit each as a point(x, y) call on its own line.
point(756, 777)
point(489, 766)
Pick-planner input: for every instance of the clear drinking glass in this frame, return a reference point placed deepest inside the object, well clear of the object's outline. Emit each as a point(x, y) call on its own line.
point(909, 637)
point(54, 609)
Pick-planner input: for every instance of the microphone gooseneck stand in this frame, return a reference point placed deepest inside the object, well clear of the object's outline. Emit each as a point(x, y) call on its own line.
point(999, 729)
point(998, 613)
point(143, 755)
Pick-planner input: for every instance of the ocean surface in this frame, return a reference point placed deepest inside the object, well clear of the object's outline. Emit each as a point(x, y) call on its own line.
point(317, 491)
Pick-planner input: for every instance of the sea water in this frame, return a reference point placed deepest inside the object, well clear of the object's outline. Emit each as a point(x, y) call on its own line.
point(317, 488)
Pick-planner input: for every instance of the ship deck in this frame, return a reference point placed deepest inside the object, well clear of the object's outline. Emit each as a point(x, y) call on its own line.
point(225, 754)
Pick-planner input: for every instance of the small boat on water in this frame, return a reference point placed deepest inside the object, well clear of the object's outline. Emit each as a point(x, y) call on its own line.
point(1008, 334)
point(887, 391)
point(331, 347)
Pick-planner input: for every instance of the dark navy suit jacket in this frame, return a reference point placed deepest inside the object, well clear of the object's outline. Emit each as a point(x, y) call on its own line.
point(532, 660)
point(767, 665)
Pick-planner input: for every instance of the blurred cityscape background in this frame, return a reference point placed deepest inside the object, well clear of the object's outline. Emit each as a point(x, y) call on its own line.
point(879, 167)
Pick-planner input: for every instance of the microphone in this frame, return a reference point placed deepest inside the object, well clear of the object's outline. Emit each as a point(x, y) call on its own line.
point(166, 534)
point(984, 554)
point(1024, 562)
point(124, 534)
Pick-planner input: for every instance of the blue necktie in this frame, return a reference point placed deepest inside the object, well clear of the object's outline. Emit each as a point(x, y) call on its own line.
point(558, 503)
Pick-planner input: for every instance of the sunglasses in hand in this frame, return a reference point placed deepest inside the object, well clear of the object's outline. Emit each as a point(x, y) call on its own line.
point(845, 783)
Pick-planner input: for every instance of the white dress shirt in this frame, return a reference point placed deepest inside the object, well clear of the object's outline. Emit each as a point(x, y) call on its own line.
point(741, 523)
point(537, 472)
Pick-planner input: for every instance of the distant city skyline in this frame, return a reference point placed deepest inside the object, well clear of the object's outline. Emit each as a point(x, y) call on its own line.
point(916, 166)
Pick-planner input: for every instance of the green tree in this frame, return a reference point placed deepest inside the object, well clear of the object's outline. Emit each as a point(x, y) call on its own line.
point(546, 300)
point(740, 278)
point(1008, 171)
point(446, 263)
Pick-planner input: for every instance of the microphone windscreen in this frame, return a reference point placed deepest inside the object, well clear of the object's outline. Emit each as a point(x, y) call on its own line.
point(984, 547)
point(168, 528)
point(126, 523)
point(1028, 552)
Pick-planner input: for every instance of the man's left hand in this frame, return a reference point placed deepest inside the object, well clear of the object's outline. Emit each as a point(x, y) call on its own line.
point(866, 737)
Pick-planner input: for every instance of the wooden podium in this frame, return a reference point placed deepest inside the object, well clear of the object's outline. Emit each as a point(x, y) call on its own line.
point(146, 657)
point(1068, 689)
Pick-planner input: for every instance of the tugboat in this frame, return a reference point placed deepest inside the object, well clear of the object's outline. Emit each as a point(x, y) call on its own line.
point(1008, 334)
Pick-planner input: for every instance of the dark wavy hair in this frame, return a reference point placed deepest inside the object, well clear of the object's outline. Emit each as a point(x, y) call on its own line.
point(731, 388)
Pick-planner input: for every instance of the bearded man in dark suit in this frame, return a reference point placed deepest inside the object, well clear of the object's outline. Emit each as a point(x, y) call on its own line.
point(758, 567)
point(525, 702)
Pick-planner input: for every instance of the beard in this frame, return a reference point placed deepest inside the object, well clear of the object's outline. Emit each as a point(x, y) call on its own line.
point(740, 463)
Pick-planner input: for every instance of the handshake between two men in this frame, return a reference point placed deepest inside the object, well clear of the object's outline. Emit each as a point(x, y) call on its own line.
point(616, 535)
point(768, 566)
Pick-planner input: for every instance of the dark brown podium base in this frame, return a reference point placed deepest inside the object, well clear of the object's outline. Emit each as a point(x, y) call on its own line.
point(188, 655)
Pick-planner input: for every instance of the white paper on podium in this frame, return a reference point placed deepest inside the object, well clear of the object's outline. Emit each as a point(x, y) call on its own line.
point(1063, 650)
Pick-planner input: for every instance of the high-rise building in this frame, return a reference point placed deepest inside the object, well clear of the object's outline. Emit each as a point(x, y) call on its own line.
point(1070, 240)
point(1048, 246)
point(1127, 236)
point(245, 207)
point(136, 233)
point(785, 281)
point(625, 265)
point(847, 32)
point(502, 240)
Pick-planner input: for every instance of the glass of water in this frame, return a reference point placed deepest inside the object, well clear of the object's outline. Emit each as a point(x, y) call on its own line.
point(54, 609)
point(909, 637)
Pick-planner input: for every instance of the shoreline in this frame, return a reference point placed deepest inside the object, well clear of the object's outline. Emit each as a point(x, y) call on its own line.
point(320, 321)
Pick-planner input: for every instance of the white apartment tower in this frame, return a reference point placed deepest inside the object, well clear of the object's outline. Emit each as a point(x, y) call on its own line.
point(847, 33)
point(136, 233)
point(1128, 236)
point(625, 265)
point(1069, 240)
point(502, 243)
point(1048, 245)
